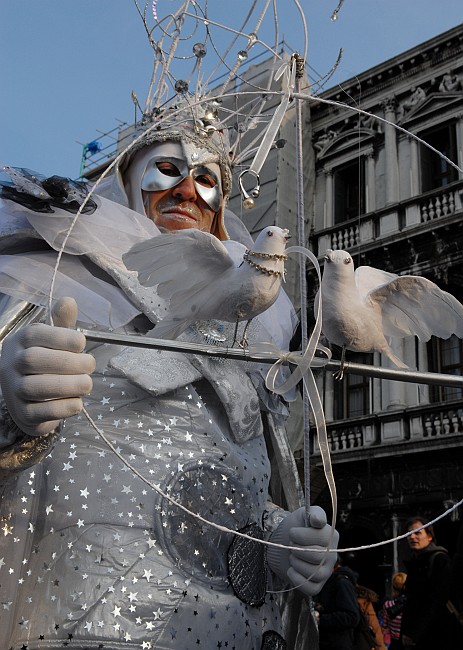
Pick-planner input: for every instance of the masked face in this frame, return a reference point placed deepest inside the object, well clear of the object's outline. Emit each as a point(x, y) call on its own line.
point(180, 185)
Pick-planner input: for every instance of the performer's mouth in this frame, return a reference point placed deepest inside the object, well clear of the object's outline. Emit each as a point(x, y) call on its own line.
point(180, 213)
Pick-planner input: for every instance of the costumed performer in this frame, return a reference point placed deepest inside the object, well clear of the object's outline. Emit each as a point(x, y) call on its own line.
point(91, 555)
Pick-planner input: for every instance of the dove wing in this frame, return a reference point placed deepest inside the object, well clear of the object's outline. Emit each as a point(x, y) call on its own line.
point(368, 278)
point(415, 305)
point(179, 263)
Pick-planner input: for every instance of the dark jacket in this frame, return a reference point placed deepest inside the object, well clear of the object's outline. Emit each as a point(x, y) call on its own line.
point(426, 618)
point(339, 610)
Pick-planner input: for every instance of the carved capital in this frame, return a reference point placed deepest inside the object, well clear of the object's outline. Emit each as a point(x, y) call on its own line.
point(389, 104)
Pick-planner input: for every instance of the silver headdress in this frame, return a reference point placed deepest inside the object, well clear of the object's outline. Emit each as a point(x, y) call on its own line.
point(218, 103)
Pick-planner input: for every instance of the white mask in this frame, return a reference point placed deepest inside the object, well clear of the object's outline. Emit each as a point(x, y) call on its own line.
point(182, 160)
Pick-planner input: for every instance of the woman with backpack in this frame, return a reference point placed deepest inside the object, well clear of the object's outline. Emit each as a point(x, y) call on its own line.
point(427, 623)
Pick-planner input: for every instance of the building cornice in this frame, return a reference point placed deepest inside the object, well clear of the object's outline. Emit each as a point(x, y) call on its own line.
point(395, 71)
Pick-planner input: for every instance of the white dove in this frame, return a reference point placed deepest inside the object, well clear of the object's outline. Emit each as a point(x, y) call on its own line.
point(361, 308)
point(203, 278)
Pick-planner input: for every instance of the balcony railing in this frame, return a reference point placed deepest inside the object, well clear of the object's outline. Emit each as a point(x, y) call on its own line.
point(438, 206)
point(432, 422)
point(393, 220)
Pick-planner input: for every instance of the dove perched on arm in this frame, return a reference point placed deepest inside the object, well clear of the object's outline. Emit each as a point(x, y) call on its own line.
point(203, 278)
point(361, 308)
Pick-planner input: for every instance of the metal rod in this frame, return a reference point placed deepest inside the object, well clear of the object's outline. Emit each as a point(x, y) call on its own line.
point(411, 376)
point(244, 354)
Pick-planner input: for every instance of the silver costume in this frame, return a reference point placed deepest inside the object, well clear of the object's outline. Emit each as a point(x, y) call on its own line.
point(92, 555)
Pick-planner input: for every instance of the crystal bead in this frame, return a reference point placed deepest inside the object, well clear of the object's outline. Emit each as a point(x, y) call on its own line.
point(242, 55)
point(199, 50)
point(210, 115)
point(181, 86)
point(248, 203)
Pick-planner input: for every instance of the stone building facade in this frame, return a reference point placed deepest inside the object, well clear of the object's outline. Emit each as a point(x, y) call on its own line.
point(395, 204)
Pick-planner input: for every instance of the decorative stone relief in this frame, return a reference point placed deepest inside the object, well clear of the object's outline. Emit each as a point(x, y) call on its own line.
point(325, 139)
point(417, 96)
point(450, 83)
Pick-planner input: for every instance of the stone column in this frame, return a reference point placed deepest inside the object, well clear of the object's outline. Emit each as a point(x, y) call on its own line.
point(377, 386)
point(459, 127)
point(329, 202)
point(395, 533)
point(414, 168)
point(423, 364)
point(329, 397)
point(371, 181)
point(394, 390)
point(390, 143)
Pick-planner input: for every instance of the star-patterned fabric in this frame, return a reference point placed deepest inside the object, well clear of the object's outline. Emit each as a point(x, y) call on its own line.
point(92, 555)
point(109, 562)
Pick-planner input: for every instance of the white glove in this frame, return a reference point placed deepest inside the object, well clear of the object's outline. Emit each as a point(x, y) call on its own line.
point(43, 373)
point(307, 570)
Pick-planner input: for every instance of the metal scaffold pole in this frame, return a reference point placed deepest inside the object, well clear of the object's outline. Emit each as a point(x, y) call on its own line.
point(300, 66)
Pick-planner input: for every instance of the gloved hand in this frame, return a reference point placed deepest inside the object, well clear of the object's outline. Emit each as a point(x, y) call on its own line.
point(43, 373)
point(307, 570)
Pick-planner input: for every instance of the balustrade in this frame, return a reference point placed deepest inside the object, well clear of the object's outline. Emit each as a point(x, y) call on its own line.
point(437, 206)
point(345, 238)
point(374, 226)
point(443, 422)
point(432, 423)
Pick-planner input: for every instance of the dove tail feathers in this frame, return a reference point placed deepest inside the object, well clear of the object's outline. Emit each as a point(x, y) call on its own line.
point(395, 359)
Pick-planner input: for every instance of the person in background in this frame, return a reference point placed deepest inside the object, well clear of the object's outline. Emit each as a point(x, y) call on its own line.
point(338, 609)
point(426, 621)
point(392, 611)
point(366, 599)
point(456, 591)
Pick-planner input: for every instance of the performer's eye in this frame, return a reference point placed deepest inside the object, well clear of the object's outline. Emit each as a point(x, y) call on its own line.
point(168, 169)
point(206, 180)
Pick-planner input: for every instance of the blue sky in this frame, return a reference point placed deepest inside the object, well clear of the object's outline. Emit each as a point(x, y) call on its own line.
point(68, 67)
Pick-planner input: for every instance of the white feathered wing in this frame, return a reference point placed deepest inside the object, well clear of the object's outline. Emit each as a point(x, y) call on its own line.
point(411, 305)
point(202, 278)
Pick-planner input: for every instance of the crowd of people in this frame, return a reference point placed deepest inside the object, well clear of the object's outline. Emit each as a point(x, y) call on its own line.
point(424, 611)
